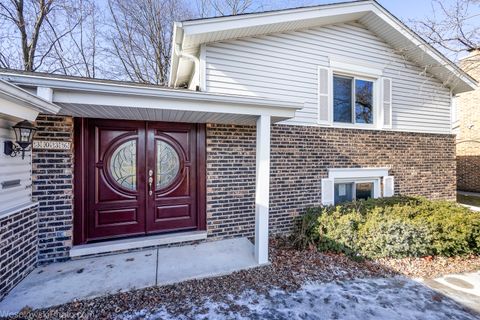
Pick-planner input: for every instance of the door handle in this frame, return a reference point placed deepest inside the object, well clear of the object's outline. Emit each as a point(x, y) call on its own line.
point(150, 182)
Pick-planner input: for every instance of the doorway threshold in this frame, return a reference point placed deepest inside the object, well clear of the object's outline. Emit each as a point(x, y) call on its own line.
point(135, 243)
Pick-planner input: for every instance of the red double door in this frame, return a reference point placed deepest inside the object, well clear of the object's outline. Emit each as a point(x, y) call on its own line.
point(143, 178)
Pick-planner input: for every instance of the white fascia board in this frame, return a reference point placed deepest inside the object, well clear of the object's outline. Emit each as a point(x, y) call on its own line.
point(273, 17)
point(25, 99)
point(112, 94)
point(199, 103)
point(346, 173)
point(12, 109)
point(423, 45)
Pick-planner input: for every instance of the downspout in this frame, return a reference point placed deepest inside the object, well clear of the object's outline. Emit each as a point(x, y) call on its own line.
point(196, 62)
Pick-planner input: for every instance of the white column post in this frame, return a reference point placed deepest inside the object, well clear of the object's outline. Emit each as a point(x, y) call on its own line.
point(262, 189)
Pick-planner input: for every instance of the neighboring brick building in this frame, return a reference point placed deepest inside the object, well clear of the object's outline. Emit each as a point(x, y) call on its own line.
point(467, 127)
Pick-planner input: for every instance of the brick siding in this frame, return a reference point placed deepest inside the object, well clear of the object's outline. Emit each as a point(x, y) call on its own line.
point(52, 174)
point(230, 180)
point(422, 164)
point(468, 173)
point(18, 253)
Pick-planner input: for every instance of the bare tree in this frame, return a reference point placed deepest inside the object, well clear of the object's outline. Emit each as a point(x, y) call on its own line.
point(232, 7)
point(141, 37)
point(36, 25)
point(79, 53)
point(452, 29)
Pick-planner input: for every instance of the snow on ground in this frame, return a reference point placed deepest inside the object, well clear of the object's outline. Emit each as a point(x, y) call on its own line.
point(385, 298)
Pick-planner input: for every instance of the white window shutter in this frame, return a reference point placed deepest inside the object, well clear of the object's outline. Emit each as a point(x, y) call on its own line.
point(387, 102)
point(324, 94)
point(328, 193)
point(388, 186)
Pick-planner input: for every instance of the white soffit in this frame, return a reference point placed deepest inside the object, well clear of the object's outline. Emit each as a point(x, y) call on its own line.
point(191, 34)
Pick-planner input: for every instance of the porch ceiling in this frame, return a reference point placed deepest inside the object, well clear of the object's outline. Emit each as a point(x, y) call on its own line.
point(153, 114)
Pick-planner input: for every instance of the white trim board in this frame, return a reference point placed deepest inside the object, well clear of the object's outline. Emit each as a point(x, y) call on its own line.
point(347, 173)
point(11, 211)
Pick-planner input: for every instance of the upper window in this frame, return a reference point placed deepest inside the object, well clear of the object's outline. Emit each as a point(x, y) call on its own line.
point(352, 100)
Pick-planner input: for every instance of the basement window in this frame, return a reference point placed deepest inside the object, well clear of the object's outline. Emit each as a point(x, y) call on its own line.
point(357, 190)
point(348, 184)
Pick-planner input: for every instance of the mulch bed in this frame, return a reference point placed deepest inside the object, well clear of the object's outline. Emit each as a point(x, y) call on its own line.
point(289, 269)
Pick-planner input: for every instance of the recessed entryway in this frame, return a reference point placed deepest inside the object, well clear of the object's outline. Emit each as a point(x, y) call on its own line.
point(138, 178)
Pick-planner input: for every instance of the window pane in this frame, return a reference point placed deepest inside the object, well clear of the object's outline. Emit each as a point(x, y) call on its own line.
point(363, 101)
point(123, 165)
point(342, 99)
point(343, 192)
point(168, 164)
point(364, 190)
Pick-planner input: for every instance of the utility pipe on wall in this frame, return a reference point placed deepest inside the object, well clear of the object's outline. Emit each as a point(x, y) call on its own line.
point(196, 62)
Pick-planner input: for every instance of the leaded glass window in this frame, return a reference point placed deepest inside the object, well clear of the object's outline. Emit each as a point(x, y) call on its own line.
point(167, 164)
point(123, 165)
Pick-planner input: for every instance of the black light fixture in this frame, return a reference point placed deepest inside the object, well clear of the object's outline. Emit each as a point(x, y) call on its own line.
point(24, 131)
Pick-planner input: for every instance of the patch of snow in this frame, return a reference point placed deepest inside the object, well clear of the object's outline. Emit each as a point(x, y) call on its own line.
point(385, 298)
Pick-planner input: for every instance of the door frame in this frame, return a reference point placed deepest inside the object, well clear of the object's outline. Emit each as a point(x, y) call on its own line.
point(81, 177)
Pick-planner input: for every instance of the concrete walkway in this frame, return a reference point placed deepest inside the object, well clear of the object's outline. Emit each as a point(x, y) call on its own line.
point(463, 288)
point(60, 283)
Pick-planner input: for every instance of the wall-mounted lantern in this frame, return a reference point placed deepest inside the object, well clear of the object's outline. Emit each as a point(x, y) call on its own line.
point(24, 132)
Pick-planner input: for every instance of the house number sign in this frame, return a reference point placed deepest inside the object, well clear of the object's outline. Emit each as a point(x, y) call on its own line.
point(51, 145)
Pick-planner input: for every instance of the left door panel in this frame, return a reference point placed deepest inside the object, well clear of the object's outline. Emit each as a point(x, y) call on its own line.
point(116, 188)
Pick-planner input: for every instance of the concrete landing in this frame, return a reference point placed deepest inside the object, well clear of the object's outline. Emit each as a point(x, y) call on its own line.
point(463, 288)
point(64, 282)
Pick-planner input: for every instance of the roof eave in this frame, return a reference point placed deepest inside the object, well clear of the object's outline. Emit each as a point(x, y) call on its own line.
point(26, 99)
point(464, 83)
point(70, 87)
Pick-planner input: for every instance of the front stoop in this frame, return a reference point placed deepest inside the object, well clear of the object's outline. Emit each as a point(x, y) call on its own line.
point(136, 243)
point(87, 278)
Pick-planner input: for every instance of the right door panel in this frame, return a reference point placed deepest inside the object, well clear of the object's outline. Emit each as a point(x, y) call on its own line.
point(171, 174)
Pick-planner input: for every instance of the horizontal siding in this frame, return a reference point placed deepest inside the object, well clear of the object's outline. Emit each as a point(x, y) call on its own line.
point(285, 65)
point(12, 168)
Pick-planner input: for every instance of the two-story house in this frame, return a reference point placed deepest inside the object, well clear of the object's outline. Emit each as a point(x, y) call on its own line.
point(265, 114)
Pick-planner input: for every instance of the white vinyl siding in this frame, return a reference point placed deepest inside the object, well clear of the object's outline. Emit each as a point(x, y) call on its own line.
point(12, 168)
point(286, 66)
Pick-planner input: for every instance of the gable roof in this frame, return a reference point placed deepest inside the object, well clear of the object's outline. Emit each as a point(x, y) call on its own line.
point(189, 35)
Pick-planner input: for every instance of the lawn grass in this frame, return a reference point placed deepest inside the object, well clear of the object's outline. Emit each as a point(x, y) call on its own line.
point(470, 200)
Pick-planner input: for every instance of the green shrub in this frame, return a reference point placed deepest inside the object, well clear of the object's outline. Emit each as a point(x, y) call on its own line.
point(305, 234)
point(338, 231)
point(391, 227)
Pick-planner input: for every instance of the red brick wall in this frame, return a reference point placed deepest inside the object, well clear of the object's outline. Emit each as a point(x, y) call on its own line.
point(230, 180)
point(468, 173)
point(423, 164)
point(18, 253)
point(52, 175)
